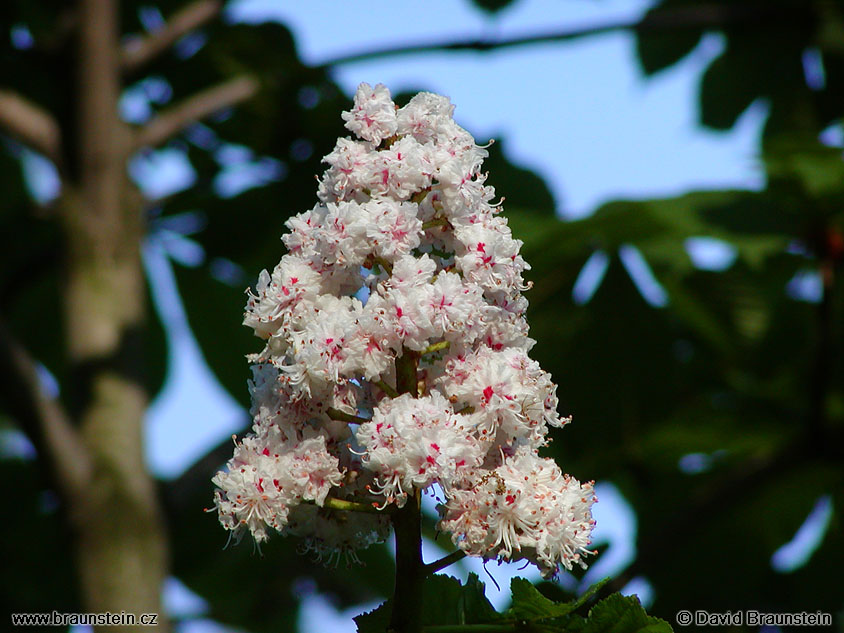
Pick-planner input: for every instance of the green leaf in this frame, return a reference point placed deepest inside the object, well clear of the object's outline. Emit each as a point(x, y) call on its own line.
point(215, 313)
point(590, 593)
point(725, 92)
point(621, 614)
point(659, 49)
point(529, 604)
point(375, 621)
point(802, 158)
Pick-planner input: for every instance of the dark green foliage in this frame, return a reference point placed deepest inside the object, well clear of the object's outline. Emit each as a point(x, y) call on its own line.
point(450, 607)
point(38, 574)
point(660, 49)
point(765, 44)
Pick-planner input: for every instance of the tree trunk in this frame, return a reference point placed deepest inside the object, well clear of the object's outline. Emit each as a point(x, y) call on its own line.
point(121, 545)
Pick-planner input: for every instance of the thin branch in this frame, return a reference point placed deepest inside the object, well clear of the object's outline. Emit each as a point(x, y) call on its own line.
point(176, 118)
point(445, 561)
point(31, 124)
point(141, 50)
point(43, 418)
point(342, 416)
point(697, 17)
point(383, 386)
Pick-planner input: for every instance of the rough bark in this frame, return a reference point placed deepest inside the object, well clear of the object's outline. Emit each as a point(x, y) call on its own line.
point(121, 544)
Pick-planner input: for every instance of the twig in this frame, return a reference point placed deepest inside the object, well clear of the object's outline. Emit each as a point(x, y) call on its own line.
point(342, 416)
point(445, 561)
point(31, 124)
point(141, 50)
point(174, 119)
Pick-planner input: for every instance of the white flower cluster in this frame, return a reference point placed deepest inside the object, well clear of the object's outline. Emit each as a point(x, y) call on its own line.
point(403, 260)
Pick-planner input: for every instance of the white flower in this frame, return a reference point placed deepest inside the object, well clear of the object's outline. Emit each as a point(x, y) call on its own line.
point(404, 255)
point(269, 475)
point(525, 508)
point(393, 229)
point(423, 116)
point(373, 116)
point(417, 442)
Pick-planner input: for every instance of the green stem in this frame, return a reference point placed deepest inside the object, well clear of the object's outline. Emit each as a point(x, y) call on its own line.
point(435, 222)
point(406, 378)
point(435, 347)
point(383, 386)
point(342, 416)
point(407, 523)
point(410, 571)
point(351, 506)
point(419, 196)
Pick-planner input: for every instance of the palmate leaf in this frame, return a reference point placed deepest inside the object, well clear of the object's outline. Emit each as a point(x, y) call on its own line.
point(529, 603)
point(620, 614)
point(452, 607)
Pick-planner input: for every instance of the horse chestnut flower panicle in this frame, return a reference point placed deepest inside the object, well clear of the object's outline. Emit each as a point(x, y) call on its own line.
point(402, 258)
